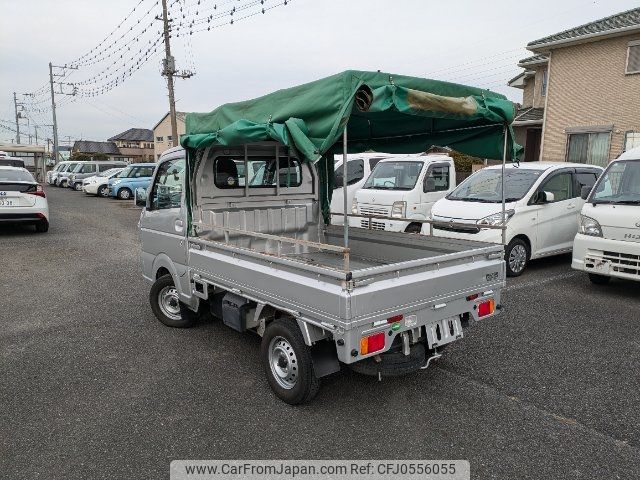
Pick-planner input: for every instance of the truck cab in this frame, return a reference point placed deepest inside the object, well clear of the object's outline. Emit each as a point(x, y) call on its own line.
point(608, 241)
point(405, 188)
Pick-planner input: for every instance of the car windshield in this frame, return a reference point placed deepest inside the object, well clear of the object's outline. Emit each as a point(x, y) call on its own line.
point(124, 173)
point(69, 168)
point(15, 176)
point(390, 175)
point(486, 185)
point(77, 168)
point(620, 184)
point(106, 173)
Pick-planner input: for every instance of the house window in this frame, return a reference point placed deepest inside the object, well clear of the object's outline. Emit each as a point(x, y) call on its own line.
point(633, 57)
point(169, 138)
point(589, 148)
point(545, 80)
point(159, 139)
point(631, 140)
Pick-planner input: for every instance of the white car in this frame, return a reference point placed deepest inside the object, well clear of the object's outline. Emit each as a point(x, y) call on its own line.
point(22, 199)
point(608, 241)
point(403, 187)
point(99, 184)
point(359, 168)
point(543, 204)
point(52, 175)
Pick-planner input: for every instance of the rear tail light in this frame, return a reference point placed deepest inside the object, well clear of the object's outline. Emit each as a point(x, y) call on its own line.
point(486, 308)
point(372, 343)
point(39, 191)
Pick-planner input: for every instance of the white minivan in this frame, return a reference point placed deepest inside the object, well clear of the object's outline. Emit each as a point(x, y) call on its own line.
point(543, 204)
point(403, 187)
point(608, 241)
point(359, 168)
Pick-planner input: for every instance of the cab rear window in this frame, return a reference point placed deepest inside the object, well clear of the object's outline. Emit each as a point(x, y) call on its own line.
point(260, 172)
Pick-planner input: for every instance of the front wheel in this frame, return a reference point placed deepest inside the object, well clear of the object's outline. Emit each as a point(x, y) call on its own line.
point(166, 305)
point(517, 257)
point(103, 191)
point(287, 362)
point(124, 194)
point(599, 279)
point(78, 187)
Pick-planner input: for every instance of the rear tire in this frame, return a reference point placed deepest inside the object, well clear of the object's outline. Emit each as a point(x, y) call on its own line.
point(124, 194)
point(517, 257)
point(103, 191)
point(167, 306)
point(42, 226)
point(599, 279)
point(287, 362)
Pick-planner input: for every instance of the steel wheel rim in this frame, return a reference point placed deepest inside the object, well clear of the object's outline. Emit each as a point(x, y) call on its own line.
point(124, 194)
point(517, 258)
point(283, 362)
point(169, 302)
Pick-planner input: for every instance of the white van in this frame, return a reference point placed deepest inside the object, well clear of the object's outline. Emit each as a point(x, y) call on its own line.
point(543, 203)
point(608, 241)
point(359, 168)
point(403, 187)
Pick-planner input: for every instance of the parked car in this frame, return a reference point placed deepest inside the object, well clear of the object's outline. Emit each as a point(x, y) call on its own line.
point(403, 187)
point(136, 175)
point(62, 177)
point(359, 168)
point(22, 199)
point(543, 203)
point(52, 175)
point(99, 184)
point(88, 169)
point(608, 241)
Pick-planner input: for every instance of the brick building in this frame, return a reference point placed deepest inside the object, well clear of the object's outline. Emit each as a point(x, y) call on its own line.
point(581, 92)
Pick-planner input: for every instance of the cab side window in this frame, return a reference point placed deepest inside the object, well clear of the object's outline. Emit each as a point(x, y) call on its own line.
point(167, 188)
point(89, 168)
point(560, 185)
point(437, 179)
point(585, 179)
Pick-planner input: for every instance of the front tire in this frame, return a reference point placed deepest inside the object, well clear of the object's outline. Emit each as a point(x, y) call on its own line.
point(124, 194)
point(103, 191)
point(287, 362)
point(517, 257)
point(599, 279)
point(166, 304)
point(78, 187)
point(413, 228)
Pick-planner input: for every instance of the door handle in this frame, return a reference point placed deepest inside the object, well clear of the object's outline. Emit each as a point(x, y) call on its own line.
point(571, 206)
point(179, 226)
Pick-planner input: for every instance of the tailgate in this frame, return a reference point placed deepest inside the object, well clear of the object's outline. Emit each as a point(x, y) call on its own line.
point(17, 194)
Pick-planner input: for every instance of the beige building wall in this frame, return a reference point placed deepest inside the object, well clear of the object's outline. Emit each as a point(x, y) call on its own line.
point(588, 87)
point(527, 93)
point(163, 131)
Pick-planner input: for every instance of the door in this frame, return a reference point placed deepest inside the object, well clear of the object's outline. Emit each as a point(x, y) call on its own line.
point(557, 217)
point(436, 183)
point(355, 178)
point(163, 226)
point(532, 149)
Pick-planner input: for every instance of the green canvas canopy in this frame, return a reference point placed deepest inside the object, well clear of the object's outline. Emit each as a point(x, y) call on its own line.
point(381, 112)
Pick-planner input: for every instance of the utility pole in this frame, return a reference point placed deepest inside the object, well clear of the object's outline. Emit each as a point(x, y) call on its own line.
point(15, 104)
point(55, 122)
point(169, 71)
point(35, 128)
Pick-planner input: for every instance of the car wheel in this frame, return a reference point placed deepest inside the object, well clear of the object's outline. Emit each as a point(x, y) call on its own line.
point(124, 194)
point(42, 226)
point(63, 184)
point(103, 191)
point(599, 279)
point(287, 362)
point(413, 228)
point(517, 257)
point(78, 187)
point(166, 304)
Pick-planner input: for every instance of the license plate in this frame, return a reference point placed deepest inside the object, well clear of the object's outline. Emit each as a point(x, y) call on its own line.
point(445, 331)
point(6, 202)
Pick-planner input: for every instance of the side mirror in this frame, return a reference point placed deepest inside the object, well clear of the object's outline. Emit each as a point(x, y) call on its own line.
point(141, 197)
point(585, 191)
point(546, 197)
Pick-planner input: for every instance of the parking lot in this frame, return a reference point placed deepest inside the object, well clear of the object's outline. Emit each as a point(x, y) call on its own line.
point(94, 386)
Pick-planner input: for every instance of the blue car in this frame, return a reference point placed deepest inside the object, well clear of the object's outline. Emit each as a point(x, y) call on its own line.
point(136, 175)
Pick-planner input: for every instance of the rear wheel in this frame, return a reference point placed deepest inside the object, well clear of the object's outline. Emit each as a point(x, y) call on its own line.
point(517, 257)
point(42, 226)
point(599, 279)
point(103, 191)
point(124, 194)
point(166, 305)
point(287, 362)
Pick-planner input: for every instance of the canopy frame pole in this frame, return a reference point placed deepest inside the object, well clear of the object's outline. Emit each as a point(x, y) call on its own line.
point(504, 194)
point(344, 187)
point(246, 170)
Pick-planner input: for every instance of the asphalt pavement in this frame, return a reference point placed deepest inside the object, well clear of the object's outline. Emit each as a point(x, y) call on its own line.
point(93, 386)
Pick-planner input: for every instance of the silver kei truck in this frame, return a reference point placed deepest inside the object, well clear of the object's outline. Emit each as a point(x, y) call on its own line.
point(240, 232)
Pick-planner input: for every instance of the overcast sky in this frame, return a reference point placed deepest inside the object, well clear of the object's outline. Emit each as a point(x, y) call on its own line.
point(465, 41)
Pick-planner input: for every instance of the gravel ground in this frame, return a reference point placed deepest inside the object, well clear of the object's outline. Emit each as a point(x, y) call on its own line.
point(93, 386)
